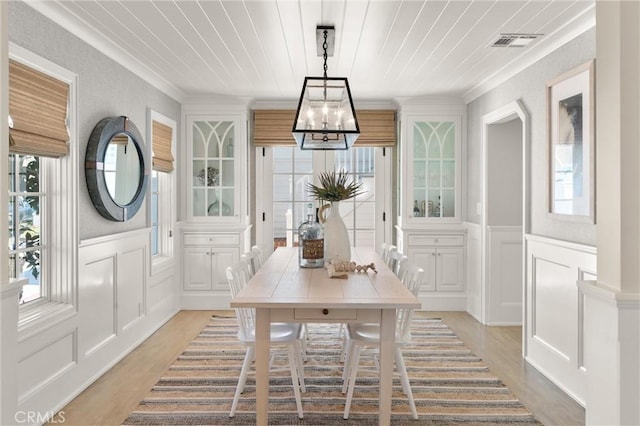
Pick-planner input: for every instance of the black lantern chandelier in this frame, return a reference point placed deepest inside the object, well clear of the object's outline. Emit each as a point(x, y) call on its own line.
point(325, 118)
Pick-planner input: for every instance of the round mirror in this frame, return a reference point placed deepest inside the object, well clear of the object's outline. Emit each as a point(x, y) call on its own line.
point(116, 169)
point(122, 169)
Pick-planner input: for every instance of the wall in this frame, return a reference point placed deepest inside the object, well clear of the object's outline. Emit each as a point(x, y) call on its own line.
point(529, 87)
point(504, 174)
point(106, 89)
point(118, 298)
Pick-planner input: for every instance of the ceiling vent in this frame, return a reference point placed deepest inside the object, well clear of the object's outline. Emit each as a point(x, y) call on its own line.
point(514, 40)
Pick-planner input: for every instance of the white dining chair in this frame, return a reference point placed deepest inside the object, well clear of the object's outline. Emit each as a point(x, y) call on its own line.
point(288, 335)
point(396, 261)
point(385, 248)
point(361, 336)
point(249, 258)
point(258, 257)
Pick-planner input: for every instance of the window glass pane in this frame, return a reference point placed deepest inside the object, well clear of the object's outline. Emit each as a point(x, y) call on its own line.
point(12, 173)
point(282, 215)
point(156, 198)
point(154, 240)
point(29, 172)
point(282, 188)
point(199, 202)
point(303, 160)
point(226, 173)
point(283, 160)
point(13, 215)
point(227, 202)
point(300, 187)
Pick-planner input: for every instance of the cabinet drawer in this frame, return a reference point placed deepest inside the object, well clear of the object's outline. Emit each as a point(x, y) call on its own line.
point(436, 240)
point(325, 314)
point(211, 239)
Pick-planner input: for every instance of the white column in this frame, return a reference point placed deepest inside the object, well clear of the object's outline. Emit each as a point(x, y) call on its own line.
point(9, 292)
point(9, 344)
point(612, 304)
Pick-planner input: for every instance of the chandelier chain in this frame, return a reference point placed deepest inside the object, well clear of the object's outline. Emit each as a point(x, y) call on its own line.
point(325, 46)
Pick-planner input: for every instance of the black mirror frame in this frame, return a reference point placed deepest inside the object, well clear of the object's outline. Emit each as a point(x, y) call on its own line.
point(99, 140)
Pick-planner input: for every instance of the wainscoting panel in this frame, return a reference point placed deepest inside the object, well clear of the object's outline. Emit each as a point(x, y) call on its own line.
point(115, 313)
point(474, 270)
point(132, 279)
point(504, 278)
point(96, 302)
point(555, 310)
point(44, 365)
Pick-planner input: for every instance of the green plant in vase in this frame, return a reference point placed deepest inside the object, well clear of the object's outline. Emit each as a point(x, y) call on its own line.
point(335, 187)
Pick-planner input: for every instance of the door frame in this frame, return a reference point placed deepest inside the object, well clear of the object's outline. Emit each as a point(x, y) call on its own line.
point(508, 112)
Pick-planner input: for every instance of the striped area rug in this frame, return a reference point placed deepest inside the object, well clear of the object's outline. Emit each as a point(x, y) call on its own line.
point(450, 384)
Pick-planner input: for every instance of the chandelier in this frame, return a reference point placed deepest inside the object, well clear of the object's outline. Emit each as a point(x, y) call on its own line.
point(325, 118)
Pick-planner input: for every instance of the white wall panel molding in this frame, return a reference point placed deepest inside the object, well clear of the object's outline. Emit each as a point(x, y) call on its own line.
point(117, 310)
point(504, 275)
point(9, 292)
point(612, 343)
point(41, 368)
point(474, 269)
point(554, 312)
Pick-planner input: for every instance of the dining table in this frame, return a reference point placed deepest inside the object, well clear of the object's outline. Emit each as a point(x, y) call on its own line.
point(281, 291)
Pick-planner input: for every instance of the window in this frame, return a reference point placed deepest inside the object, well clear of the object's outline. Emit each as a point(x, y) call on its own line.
point(162, 207)
point(25, 223)
point(42, 201)
point(282, 199)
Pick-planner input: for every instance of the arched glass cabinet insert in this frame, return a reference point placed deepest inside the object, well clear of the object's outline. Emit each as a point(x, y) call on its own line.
point(434, 162)
point(213, 168)
point(116, 168)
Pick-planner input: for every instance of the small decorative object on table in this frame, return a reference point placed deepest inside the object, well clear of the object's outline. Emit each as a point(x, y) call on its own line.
point(339, 269)
point(311, 243)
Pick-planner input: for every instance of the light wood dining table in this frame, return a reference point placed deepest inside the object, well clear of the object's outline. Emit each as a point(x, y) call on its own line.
point(281, 291)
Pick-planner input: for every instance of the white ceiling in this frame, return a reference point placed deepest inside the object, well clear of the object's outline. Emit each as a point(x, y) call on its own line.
point(263, 49)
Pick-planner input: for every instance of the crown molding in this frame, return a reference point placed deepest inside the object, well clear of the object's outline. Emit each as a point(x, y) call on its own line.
point(56, 11)
point(579, 25)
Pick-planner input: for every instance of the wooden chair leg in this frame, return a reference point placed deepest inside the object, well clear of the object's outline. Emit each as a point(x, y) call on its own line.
point(294, 353)
point(242, 380)
point(354, 355)
point(404, 379)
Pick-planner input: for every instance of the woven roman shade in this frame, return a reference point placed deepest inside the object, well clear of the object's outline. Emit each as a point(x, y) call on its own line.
point(162, 158)
point(377, 127)
point(273, 127)
point(38, 107)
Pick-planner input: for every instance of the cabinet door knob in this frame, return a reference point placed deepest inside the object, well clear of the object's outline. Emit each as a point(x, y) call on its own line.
point(325, 311)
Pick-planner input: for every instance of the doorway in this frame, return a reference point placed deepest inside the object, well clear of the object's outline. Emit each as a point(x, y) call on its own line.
point(283, 202)
point(504, 215)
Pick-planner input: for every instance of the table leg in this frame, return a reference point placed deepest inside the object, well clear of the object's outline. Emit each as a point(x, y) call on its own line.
point(387, 342)
point(263, 337)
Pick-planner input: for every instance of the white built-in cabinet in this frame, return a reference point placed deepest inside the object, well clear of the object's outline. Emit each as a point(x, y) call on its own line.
point(215, 231)
point(430, 230)
point(206, 256)
point(441, 257)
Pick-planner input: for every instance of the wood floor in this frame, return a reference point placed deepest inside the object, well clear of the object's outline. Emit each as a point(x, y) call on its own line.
point(109, 400)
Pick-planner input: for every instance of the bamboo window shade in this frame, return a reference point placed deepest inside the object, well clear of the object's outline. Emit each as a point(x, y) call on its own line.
point(273, 128)
point(38, 108)
point(162, 158)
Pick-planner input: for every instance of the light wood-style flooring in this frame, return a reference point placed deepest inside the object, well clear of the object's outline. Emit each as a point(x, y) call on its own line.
point(109, 400)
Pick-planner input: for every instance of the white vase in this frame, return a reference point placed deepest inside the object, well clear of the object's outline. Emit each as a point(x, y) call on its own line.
point(336, 238)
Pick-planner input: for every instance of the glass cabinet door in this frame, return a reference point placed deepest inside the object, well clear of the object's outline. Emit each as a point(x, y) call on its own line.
point(433, 154)
point(213, 166)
